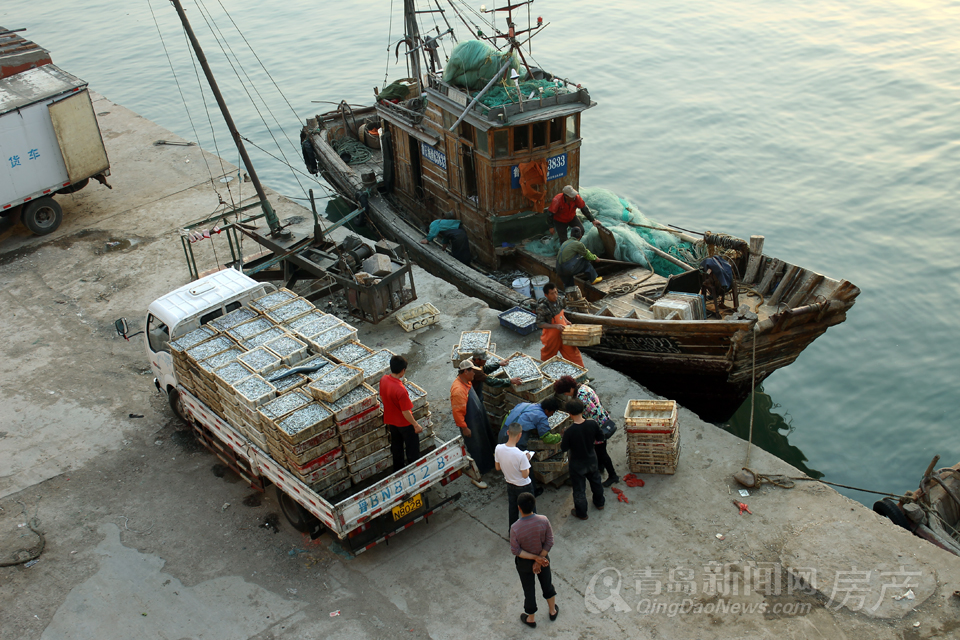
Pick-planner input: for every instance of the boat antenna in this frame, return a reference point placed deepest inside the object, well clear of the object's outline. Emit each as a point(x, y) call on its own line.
point(276, 230)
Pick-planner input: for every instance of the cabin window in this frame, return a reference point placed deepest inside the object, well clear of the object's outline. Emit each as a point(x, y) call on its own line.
point(556, 131)
point(483, 142)
point(213, 315)
point(466, 131)
point(500, 143)
point(572, 128)
point(448, 120)
point(539, 134)
point(469, 175)
point(157, 334)
point(521, 138)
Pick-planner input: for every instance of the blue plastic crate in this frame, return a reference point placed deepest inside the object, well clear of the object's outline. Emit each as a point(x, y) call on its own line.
point(513, 327)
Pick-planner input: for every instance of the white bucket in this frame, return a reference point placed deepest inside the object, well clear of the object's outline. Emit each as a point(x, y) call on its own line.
point(522, 286)
point(537, 282)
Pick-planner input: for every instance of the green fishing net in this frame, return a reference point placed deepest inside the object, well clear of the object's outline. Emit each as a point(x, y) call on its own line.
point(629, 228)
point(473, 63)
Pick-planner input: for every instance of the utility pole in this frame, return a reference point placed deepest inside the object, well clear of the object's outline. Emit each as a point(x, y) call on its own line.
point(272, 220)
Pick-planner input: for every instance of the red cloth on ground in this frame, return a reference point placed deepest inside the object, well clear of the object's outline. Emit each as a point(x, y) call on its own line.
point(395, 400)
point(552, 340)
point(564, 210)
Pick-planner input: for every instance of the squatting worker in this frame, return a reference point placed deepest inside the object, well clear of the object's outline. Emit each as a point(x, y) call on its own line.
point(470, 415)
point(451, 236)
point(563, 212)
point(574, 258)
point(551, 319)
point(482, 376)
point(531, 539)
point(592, 410)
point(534, 421)
point(515, 465)
point(398, 414)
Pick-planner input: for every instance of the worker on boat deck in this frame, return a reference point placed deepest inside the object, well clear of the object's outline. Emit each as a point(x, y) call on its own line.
point(451, 235)
point(563, 212)
point(484, 375)
point(574, 258)
point(551, 319)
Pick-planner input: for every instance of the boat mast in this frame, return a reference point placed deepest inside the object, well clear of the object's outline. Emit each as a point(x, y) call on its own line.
point(413, 38)
point(272, 221)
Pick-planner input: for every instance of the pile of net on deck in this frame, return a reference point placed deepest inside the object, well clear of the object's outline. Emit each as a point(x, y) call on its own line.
point(473, 63)
point(633, 240)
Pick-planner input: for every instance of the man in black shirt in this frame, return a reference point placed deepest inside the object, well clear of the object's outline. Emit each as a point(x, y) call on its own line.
point(579, 440)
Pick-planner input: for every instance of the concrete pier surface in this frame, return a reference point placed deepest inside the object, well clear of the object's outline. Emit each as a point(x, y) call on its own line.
point(147, 536)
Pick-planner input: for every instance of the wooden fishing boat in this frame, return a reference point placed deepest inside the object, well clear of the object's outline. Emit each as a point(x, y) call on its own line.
point(932, 512)
point(441, 150)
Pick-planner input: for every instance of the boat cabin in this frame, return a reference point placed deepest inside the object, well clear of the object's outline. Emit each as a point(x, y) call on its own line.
point(452, 156)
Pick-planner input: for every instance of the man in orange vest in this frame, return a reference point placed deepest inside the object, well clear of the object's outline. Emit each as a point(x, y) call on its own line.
point(563, 212)
point(552, 321)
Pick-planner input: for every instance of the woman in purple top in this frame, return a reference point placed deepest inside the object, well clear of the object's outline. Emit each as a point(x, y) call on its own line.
point(593, 410)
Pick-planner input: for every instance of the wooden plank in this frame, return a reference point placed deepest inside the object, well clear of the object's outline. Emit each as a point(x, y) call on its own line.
point(812, 281)
point(785, 283)
point(770, 272)
point(753, 262)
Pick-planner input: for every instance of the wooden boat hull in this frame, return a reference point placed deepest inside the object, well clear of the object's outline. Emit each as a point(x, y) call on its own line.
point(709, 366)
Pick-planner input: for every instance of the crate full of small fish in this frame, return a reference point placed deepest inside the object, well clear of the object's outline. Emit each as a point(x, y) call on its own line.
point(271, 300)
point(304, 423)
point(375, 365)
point(349, 352)
point(355, 401)
point(336, 382)
point(288, 349)
point(290, 311)
point(527, 369)
point(332, 338)
point(254, 391)
point(557, 367)
point(260, 360)
point(519, 320)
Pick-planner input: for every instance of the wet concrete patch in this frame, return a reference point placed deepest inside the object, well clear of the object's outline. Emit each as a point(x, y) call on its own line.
point(253, 500)
point(185, 439)
point(130, 592)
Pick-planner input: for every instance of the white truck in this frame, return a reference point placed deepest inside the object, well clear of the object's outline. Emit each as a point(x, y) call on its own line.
point(362, 516)
point(50, 143)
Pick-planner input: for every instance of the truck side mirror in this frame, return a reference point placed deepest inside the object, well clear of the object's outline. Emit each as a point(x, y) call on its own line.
point(122, 328)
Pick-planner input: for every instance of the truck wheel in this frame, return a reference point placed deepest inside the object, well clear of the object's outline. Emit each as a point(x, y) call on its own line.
point(41, 216)
point(298, 517)
point(76, 186)
point(173, 396)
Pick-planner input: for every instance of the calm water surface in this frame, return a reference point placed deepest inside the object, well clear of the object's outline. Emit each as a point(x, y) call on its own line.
point(830, 128)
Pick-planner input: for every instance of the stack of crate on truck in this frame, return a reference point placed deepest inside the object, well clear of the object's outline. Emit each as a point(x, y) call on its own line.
point(284, 393)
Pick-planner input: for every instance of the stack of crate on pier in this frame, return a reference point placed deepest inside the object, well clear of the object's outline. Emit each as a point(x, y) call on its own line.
point(582, 335)
point(653, 436)
point(550, 464)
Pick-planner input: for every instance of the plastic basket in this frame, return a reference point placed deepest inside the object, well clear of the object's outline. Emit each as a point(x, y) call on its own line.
point(422, 315)
point(661, 415)
point(522, 329)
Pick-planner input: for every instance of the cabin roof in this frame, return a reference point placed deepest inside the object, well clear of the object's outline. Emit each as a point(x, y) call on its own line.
point(484, 118)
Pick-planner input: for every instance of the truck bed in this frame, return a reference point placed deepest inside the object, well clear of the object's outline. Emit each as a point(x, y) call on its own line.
point(445, 462)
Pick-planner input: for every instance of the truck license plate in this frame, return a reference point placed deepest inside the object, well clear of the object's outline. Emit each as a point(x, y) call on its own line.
point(408, 507)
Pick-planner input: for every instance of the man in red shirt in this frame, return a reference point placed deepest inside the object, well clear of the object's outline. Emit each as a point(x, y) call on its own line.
point(563, 212)
point(397, 414)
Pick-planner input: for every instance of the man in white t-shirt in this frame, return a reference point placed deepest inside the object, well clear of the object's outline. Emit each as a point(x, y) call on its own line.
point(515, 465)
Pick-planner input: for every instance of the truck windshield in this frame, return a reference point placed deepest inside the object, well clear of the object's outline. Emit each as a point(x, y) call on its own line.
point(157, 334)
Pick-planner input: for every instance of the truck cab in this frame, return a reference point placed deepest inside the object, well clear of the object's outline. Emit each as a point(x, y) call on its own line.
point(185, 309)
